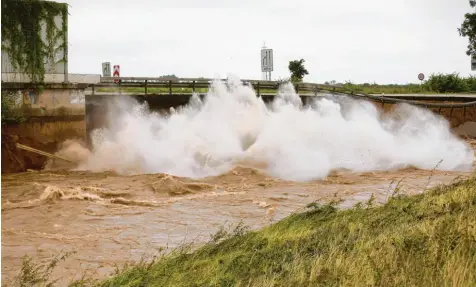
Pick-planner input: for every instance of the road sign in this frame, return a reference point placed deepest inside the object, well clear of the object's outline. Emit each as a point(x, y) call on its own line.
point(473, 63)
point(106, 69)
point(116, 73)
point(266, 60)
point(421, 76)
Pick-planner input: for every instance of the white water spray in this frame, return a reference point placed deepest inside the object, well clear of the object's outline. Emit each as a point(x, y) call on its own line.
point(291, 141)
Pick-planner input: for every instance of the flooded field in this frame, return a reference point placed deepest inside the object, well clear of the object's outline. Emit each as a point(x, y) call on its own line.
point(153, 182)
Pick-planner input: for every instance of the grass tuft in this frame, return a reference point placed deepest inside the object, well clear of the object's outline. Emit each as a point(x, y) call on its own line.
point(33, 274)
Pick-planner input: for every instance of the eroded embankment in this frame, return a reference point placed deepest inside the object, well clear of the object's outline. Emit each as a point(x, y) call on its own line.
point(42, 133)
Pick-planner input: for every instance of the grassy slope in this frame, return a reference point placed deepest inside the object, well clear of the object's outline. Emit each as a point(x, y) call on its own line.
point(423, 240)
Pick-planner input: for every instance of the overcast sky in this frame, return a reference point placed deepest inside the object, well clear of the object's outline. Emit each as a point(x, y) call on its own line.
point(383, 41)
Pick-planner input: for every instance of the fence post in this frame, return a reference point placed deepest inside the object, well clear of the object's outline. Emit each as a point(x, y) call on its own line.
point(297, 89)
point(170, 88)
point(146, 87)
point(193, 87)
point(257, 86)
point(93, 89)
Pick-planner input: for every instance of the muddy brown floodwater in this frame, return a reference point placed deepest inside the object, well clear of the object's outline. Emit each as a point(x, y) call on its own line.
point(109, 219)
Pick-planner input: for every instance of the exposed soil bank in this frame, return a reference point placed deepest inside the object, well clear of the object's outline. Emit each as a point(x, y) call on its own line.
point(43, 133)
point(455, 116)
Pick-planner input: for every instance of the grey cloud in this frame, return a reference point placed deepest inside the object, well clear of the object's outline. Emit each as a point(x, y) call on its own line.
point(363, 41)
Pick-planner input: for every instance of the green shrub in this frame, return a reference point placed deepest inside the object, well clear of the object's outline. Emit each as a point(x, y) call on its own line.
point(447, 83)
point(11, 111)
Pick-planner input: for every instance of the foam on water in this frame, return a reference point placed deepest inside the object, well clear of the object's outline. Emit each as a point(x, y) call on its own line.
point(294, 141)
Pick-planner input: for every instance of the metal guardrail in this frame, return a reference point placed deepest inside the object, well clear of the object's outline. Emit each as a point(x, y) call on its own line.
point(194, 84)
point(390, 100)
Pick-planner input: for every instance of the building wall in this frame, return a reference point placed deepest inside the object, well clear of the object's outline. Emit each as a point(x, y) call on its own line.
point(54, 68)
point(57, 66)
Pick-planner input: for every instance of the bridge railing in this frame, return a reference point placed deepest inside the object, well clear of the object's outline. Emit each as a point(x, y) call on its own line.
point(143, 84)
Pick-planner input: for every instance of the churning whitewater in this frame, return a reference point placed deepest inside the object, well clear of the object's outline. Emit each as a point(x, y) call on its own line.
point(286, 138)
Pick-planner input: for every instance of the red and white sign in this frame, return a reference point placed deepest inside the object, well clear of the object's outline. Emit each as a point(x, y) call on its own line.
point(421, 76)
point(115, 74)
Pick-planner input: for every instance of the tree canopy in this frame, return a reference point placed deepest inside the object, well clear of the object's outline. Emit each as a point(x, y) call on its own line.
point(468, 29)
point(297, 69)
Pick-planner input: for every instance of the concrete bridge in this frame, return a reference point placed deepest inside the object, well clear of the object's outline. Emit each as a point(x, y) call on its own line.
point(82, 90)
point(59, 110)
point(164, 94)
point(145, 86)
point(161, 94)
point(72, 95)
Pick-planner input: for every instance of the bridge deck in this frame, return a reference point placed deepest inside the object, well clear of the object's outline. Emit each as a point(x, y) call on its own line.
point(411, 97)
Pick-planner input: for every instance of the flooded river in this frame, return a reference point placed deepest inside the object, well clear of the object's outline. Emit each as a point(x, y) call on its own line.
point(109, 219)
point(153, 182)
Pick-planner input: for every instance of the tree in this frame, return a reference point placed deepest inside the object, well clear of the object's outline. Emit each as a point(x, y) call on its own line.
point(468, 29)
point(297, 69)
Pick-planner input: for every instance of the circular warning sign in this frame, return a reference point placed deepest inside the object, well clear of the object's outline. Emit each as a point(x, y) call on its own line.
point(421, 76)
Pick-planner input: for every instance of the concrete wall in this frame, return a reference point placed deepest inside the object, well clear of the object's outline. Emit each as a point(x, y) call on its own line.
point(52, 78)
point(51, 97)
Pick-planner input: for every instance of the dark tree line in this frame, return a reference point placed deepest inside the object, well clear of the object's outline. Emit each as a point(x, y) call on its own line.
point(468, 29)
